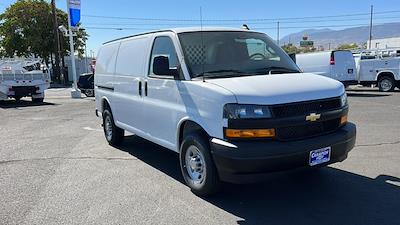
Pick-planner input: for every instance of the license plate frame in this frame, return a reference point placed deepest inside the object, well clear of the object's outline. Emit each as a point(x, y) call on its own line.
point(319, 156)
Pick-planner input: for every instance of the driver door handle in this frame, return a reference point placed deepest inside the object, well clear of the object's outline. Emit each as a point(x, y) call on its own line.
point(140, 88)
point(145, 88)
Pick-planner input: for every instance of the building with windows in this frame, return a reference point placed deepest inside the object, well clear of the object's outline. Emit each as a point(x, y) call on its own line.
point(385, 43)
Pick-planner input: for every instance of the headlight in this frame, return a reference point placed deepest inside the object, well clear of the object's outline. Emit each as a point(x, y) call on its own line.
point(237, 111)
point(343, 99)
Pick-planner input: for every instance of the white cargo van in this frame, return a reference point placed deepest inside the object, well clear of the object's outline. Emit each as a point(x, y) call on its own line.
point(230, 102)
point(338, 65)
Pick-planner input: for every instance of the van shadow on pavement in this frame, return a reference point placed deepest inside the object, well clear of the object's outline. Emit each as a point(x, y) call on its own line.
point(366, 95)
point(322, 196)
point(7, 104)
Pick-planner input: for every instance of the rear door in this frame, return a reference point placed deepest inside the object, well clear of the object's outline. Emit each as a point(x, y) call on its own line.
point(129, 77)
point(343, 66)
point(104, 79)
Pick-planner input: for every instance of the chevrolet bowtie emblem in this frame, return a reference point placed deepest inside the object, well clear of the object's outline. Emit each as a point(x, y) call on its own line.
point(313, 117)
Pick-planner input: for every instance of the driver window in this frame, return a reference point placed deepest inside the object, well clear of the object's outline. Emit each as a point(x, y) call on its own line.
point(258, 50)
point(163, 46)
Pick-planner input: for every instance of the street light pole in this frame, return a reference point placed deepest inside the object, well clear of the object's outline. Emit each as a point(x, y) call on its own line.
point(370, 27)
point(56, 70)
point(75, 92)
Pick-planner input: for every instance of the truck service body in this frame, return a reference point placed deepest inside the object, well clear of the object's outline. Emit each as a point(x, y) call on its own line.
point(230, 102)
point(21, 78)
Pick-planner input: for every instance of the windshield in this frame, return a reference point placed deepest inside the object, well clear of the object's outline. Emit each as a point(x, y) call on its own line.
point(233, 53)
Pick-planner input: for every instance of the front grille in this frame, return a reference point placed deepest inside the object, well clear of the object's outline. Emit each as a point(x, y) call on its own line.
point(304, 108)
point(307, 130)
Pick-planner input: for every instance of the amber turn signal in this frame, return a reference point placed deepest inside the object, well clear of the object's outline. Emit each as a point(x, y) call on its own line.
point(343, 120)
point(250, 133)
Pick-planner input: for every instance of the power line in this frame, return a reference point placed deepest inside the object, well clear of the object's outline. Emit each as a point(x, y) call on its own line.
point(221, 24)
point(237, 20)
point(255, 28)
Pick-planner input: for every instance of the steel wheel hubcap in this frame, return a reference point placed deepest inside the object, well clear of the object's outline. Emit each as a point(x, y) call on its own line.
point(89, 92)
point(386, 85)
point(195, 165)
point(108, 128)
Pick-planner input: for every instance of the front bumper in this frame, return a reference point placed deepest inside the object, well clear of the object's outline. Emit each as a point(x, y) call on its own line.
point(252, 160)
point(349, 82)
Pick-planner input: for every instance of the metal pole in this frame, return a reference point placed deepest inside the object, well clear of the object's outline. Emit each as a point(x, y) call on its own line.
point(86, 56)
point(86, 62)
point(370, 27)
point(56, 70)
point(277, 39)
point(75, 93)
point(65, 78)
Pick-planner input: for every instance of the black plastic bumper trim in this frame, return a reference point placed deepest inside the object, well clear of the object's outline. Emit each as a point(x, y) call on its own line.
point(253, 159)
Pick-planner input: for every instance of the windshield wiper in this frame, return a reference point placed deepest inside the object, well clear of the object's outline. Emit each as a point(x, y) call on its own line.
point(221, 73)
point(271, 69)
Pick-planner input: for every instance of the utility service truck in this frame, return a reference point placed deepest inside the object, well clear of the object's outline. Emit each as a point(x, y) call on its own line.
point(378, 67)
point(23, 78)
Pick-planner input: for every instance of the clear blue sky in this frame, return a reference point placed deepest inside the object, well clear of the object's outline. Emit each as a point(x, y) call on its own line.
point(222, 10)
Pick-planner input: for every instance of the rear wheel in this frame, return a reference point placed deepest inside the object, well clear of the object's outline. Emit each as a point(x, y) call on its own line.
point(37, 100)
point(386, 83)
point(197, 166)
point(114, 135)
point(89, 93)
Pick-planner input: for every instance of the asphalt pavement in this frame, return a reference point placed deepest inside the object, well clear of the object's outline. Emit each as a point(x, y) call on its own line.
point(56, 168)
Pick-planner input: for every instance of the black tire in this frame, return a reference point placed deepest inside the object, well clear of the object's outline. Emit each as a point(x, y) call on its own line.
point(210, 183)
point(113, 134)
point(37, 100)
point(89, 93)
point(386, 84)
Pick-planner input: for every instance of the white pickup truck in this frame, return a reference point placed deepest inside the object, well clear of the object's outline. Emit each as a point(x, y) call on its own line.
point(22, 78)
point(379, 67)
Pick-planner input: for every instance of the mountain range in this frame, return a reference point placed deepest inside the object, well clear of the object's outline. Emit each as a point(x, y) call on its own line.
point(332, 38)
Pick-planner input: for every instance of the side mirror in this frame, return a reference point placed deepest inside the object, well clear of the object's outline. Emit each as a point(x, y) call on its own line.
point(161, 67)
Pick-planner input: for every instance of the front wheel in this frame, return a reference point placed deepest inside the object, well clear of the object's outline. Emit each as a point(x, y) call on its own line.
point(386, 84)
point(197, 166)
point(114, 135)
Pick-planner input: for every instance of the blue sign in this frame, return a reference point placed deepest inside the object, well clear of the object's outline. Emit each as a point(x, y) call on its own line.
point(75, 12)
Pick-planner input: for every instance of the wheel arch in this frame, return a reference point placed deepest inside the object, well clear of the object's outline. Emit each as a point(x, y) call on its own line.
point(385, 73)
point(187, 125)
point(104, 104)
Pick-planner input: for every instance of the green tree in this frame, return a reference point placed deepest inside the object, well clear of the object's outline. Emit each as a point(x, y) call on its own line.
point(290, 48)
point(347, 46)
point(26, 29)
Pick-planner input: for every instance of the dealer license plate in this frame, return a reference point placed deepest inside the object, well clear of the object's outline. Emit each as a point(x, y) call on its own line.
point(320, 156)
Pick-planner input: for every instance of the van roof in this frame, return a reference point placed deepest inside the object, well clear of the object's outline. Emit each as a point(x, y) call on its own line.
point(184, 30)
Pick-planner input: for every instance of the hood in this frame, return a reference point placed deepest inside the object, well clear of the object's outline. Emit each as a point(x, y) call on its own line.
point(280, 88)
